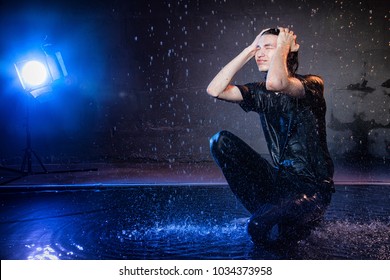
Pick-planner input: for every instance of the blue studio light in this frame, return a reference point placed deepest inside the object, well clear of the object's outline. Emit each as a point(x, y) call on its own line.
point(37, 72)
point(34, 73)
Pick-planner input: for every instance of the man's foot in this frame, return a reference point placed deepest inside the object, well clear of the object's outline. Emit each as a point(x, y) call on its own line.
point(262, 234)
point(276, 235)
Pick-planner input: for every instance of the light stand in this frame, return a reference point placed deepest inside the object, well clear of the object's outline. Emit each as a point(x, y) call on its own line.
point(55, 70)
point(28, 151)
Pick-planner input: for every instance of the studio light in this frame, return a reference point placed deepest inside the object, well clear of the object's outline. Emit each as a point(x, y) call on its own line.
point(38, 71)
point(33, 74)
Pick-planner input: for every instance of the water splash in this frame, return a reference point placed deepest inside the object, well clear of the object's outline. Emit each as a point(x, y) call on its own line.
point(185, 240)
point(181, 223)
point(348, 240)
point(188, 231)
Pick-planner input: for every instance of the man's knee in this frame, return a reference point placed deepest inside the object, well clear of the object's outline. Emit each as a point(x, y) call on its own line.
point(218, 141)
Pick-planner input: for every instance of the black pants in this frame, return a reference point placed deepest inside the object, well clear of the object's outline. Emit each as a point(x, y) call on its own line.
point(283, 207)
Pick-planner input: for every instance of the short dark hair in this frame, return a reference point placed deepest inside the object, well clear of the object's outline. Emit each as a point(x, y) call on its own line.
point(292, 57)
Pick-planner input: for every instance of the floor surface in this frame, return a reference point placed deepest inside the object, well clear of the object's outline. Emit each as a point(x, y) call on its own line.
point(165, 173)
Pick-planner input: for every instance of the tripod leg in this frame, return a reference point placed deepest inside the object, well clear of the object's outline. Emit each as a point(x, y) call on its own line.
point(40, 161)
point(25, 159)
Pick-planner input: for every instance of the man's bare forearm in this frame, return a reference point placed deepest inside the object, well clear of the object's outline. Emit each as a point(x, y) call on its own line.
point(223, 79)
point(277, 76)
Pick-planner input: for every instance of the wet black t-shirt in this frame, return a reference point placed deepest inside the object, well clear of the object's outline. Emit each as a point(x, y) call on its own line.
point(294, 128)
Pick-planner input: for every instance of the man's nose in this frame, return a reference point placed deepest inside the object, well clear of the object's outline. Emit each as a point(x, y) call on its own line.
point(259, 53)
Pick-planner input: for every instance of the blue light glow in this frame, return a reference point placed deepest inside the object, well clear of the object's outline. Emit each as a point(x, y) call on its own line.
point(34, 73)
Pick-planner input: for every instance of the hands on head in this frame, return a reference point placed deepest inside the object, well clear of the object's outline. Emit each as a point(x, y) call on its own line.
point(286, 37)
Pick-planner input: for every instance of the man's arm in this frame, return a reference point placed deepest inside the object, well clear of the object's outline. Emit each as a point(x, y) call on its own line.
point(220, 86)
point(278, 77)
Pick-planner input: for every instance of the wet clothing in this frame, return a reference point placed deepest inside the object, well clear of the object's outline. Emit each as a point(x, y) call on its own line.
point(290, 195)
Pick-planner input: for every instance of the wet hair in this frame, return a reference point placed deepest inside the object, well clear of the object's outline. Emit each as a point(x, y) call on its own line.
point(292, 57)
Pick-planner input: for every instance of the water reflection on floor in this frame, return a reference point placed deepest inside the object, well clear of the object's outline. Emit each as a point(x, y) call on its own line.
point(178, 222)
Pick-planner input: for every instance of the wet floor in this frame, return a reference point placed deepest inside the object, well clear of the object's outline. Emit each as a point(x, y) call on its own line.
point(177, 222)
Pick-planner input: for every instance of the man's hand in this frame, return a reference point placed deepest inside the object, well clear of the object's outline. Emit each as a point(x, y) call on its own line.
point(287, 39)
point(255, 44)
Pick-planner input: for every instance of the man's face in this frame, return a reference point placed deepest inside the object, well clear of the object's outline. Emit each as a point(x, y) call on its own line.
point(263, 56)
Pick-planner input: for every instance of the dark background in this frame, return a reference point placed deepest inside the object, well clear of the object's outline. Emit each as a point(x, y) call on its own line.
point(138, 72)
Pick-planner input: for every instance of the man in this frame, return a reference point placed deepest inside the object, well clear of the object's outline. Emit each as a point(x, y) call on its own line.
point(288, 198)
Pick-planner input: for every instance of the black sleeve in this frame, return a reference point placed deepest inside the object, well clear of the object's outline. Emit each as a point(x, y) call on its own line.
point(248, 103)
point(253, 97)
